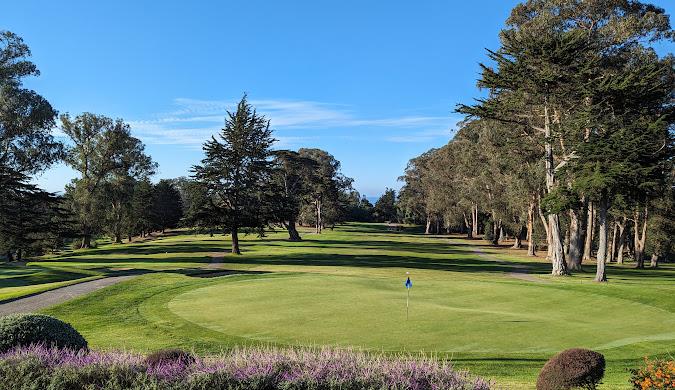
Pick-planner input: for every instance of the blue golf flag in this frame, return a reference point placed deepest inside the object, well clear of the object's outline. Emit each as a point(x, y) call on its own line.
point(408, 283)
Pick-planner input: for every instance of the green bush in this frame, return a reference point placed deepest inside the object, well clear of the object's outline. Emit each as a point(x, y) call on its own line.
point(26, 329)
point(572, 368)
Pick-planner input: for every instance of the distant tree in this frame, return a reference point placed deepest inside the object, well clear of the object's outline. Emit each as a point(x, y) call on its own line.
point(385, 207)
point(357, 208)
point(237, 170)
point(196, 206)
point(167, 205)
point(326, 182)
point(413, 195)
point(101, 149)
point(141, 216)
point(292, 179)
point(115, 198)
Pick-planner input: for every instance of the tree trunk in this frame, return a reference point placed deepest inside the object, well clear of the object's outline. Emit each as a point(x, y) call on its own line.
point(600, 274)
point(469, 228)
point(559, 267)
point(495, 229)
point(19, 254)
point(590, 229)
point(576, 241)
point(612, 245)
point(544, 222)
point(438, 226)
point(235, 242)
point(426, 231)
point(474, 217)
point(640, 239)
point(622, 240)
point(654, 260)
point(10, 256)
point(293, 234)
point(319, 221)
point(518, 239)
point(86, 241)
point(530, 228)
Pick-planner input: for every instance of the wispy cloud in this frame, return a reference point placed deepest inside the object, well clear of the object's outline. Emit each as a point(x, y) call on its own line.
point(422, 136)
point(193, 121)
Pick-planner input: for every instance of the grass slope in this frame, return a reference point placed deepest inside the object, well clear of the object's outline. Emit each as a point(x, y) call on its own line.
point(490, 310)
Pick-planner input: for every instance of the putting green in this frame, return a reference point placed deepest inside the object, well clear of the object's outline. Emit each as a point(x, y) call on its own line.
point(500, 317)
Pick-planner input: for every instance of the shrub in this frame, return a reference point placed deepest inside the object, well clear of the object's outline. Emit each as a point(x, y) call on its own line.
point(572, 368)
point(656, 374)
point(170, 355)
point(26, 329)
point(241, 369)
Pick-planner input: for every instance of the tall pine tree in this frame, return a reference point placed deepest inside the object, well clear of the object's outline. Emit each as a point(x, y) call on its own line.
point(237, 170)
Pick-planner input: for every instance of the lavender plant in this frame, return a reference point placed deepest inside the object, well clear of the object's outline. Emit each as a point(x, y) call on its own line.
point(249, 368)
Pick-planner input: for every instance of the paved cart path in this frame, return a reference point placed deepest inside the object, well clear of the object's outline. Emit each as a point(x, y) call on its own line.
point(54, 297)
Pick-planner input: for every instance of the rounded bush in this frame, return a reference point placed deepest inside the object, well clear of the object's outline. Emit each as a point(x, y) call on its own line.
point(572, 368)
point(26, 329)
point(170, 355)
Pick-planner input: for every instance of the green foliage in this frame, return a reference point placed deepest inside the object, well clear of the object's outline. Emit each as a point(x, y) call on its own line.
point(323, 204)
point(357, 208)
point(26, 118)
point(237, 173)
point(26, 329)
point(572, 368)
point(109, 161)
point(31, 220)
point(385, 207)
point(167, 205)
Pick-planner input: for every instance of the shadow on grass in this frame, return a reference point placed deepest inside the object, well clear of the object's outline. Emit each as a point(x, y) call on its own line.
point(374, 247)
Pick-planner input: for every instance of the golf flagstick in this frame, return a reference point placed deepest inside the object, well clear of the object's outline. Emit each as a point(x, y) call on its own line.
point(407, 304)
point(408, 285)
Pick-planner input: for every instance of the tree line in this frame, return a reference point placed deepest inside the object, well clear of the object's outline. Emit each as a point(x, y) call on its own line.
point(242, 184)
point(571, 147)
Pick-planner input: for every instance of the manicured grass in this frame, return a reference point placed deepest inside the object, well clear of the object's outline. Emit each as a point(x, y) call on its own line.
point(21, 280)
point(76, 266)
point(493, 311)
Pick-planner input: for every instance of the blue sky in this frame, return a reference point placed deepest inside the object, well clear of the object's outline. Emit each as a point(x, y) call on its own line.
point(373, 83)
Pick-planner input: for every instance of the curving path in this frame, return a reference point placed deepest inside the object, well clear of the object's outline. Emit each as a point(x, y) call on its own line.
point(54, 297)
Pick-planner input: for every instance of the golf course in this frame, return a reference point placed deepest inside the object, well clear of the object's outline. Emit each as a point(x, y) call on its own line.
point(491, 310)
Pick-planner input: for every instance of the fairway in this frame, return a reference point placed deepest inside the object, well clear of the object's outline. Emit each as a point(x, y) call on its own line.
point(491, 310)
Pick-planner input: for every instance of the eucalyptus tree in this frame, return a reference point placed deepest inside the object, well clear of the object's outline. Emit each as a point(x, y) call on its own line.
point(552, 57)
point(237, 172)
point(412, 197)
point(325, 184)
point(103, 152)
